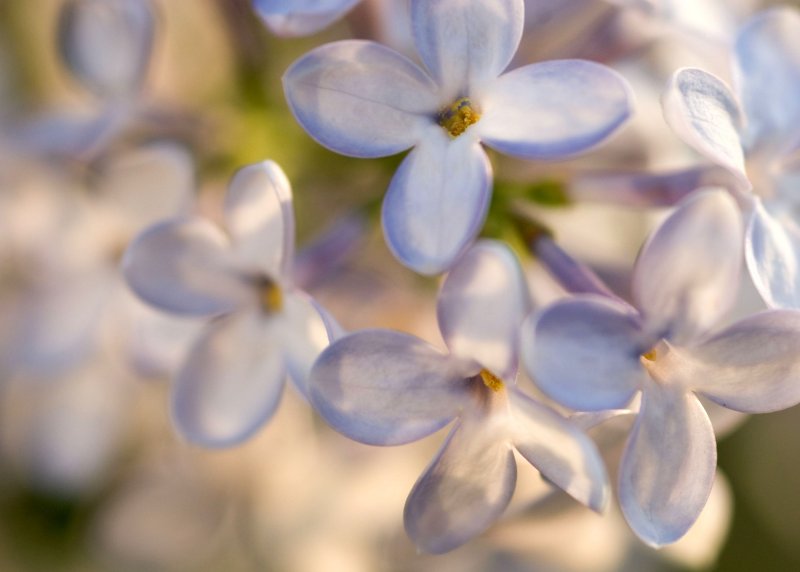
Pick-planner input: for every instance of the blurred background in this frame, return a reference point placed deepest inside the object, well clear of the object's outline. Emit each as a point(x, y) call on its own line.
point(115, 114)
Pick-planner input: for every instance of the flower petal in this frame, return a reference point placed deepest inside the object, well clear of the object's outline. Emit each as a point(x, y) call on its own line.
point(682, 281)
point(231, 382)
point(553, 109)
point(182, 266)
point(301, 17)
point(584, 352)
point(668, 466)
point(481, 306)
point(307, 330)
point(559, 450)
point(260, 218)
point(773, 257)
point(752, 366)
point(386, 388)
point(107, 45)
point(466, 44)
point(437, 202)
point(768, 58)
point(360, 98)
point(703, 112)
point(464, 490)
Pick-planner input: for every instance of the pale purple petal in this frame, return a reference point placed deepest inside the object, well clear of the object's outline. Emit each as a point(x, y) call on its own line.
point(464, 490)
point(307, 330)
point(182, 266)
point(772, 252)
point(584, 352)
point(559, 450)
point(386, 388)
point(231, 381)
point(685, 278)
point(466, 44)
point(360, 98)
point(668, 466)
point(752, 366)
point(553, 109)
point(260, 219)
point(437, 201)
point(703, 112)
point(301, 17)
point(481, 306)
point(768, 57)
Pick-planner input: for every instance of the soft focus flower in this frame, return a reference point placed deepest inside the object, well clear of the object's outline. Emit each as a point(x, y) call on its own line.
point(362, 99)
point(301, 17)
point(593, 353)
point(754, 134)
point(386, 388)
point(232, 378)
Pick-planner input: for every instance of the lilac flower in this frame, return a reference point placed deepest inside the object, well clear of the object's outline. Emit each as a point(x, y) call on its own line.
point(232, 379)
point(386, 388)
point(594, 353)
point(361, 99)
point(754, 134)
point(301, 17)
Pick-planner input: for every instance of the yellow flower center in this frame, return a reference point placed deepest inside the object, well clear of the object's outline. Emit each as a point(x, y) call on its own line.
point(650, 355)
point(270, 295)
point(458, 117)
point(491, 381)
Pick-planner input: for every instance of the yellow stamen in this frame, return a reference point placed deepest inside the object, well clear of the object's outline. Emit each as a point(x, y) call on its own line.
point(270, 296)
point(460, 115)
point(491, 381)
point(650, 355)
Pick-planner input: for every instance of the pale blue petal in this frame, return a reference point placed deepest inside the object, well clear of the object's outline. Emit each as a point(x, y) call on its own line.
point(584, 352)
point(553, 109)
point(182, 266)
point(466, 44)
point(481, 306)
point(386, 388)
point(437, 201)
point(559, 450)
point(704, 113)
point(768, 57)
point(307, 330)
point(772, 252)
point(231, 382)
point(360, 98)
point(685, 278)
point(668, 466)
point(464, 490)
point(301, 17)
point(260, 219)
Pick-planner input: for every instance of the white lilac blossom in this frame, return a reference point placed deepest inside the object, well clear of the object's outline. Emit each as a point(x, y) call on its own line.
point(386, 388)
point(594, 353)
point(362, 99)
point(233, 376)
point(754, 133)
point(301, 17)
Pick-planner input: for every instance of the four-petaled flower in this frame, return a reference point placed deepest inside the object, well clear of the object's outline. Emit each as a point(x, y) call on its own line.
point(386, 388)
point(233, 376)
point(594, 353)
point(362, 99)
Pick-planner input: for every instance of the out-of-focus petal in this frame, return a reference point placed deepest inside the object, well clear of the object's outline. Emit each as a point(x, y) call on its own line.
point(301, 17)
point(306, 332)
point(668, 466)
point(560, 450)
point(231, 381)
point(360, 98)
point(107, 43)
point(584, 352)
point(752, 366)
point(386, 388)
point(772, 252)
point(481, 306)
point(466, 487)
point(437, 201)
point(181, 266)
point(260, 219)
point(553, 109)
point(466, 44)
point(684, 280)
point(768, 58)
point(703, 112)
